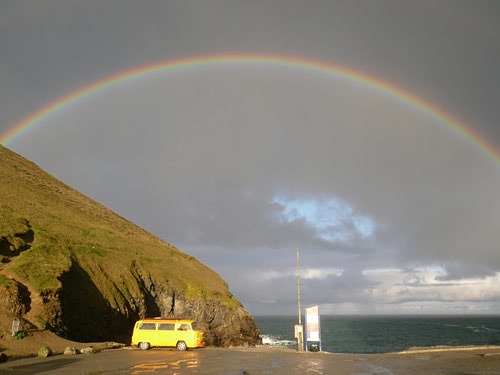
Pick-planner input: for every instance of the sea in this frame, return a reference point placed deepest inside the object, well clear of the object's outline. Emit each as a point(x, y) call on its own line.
point(385, 334)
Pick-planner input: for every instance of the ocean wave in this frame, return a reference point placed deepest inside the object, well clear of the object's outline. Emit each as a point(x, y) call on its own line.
point(479, 329)
point(272, 340)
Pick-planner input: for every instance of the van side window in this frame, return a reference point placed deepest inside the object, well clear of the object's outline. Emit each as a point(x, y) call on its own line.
point(166, 327)
point(148, 326)
point(184, 327)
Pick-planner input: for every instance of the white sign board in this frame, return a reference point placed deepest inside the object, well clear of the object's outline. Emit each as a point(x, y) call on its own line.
point(15, 326)
point(313, 331)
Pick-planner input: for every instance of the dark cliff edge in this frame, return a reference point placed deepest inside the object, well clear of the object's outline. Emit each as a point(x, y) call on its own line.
point(70, 265)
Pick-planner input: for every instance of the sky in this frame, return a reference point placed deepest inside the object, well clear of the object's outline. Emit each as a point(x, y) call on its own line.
point(395, 209)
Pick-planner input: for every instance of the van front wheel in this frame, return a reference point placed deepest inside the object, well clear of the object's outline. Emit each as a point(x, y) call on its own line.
point(144, 345)
point(181, 345)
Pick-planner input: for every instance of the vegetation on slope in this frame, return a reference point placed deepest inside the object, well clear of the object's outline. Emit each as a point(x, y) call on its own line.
point(92, 267)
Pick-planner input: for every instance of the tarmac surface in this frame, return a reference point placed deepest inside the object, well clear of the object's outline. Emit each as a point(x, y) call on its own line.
point(241, 361)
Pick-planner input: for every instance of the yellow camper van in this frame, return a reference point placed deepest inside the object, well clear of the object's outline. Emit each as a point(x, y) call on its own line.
point(177, 333)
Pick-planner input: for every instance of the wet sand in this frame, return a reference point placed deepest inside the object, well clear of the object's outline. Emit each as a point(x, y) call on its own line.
point(264, 360)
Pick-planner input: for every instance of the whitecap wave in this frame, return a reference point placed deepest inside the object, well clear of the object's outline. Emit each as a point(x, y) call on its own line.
point(272, 340)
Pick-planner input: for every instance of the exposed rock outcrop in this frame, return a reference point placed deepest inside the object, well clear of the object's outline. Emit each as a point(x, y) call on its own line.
point(14, 297)
point(20, 239)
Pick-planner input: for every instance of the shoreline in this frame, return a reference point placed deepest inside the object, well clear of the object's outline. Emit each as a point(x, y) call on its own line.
point(445, 348)
point(412, 350)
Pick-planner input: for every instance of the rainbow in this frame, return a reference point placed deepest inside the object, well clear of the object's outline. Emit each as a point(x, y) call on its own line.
point(459, 128)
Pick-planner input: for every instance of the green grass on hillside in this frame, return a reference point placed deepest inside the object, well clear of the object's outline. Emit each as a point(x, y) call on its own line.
point(69, 227)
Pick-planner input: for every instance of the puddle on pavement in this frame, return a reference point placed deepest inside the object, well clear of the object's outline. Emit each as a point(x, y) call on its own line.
point(150, 367)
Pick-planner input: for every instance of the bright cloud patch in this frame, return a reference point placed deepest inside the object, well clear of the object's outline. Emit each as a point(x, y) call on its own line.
point(332, 219)
point(305, 273)
point(424, 284)
point(319, 273)
point(416, 291)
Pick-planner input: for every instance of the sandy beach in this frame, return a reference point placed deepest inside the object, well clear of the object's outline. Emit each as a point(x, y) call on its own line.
point(263, 360)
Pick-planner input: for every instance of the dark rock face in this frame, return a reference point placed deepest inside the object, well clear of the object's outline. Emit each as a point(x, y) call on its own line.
point(223, 325)
point(14, 298)
point(80, 312)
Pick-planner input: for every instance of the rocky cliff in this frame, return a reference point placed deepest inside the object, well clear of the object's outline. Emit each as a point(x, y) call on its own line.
point(70, 265)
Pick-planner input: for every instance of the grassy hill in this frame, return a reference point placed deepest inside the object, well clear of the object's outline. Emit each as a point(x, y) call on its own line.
point(70, 264)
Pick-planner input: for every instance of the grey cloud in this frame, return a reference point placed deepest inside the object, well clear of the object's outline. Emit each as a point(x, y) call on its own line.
point(459, 271)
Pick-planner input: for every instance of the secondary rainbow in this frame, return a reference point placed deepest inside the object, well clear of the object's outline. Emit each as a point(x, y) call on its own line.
point(461, 129)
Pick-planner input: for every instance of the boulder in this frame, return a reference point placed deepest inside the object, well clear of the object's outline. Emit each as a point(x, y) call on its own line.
point(87, 350)
point(70, 351)
point(44, 352)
